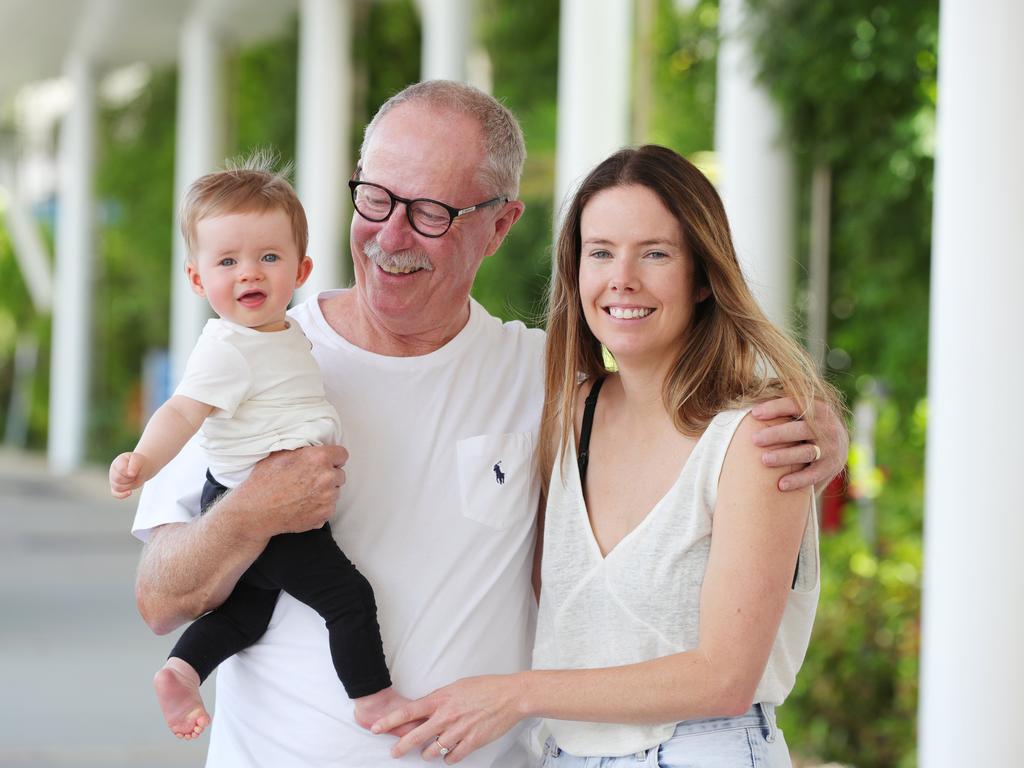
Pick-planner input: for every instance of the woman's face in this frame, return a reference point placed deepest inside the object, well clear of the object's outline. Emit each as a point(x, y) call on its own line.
point(636, 276)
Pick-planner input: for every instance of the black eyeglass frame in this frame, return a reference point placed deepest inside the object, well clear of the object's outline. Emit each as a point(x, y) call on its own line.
point(453, 212)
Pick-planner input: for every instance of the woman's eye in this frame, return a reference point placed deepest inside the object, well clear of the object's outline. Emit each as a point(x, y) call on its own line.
point(656, 255)
point(270, 257)
point(600, 255)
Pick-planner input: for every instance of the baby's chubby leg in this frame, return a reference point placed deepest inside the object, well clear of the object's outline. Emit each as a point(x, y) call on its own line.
point(177, 690)
point(370, 709)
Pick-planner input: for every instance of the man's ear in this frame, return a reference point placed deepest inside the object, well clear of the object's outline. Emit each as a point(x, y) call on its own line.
point(194, 280)
point(509, 215)
point(305, 267)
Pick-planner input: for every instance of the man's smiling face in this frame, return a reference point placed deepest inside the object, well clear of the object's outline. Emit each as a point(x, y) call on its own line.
point(410, 283)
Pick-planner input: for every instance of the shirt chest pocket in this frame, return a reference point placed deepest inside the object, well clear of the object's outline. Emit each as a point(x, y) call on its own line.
point(498, 482)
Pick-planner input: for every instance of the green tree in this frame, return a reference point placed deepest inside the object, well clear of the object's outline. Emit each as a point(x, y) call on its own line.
point(513, 282)
point(684, 49)
point(263, 83)
point(387, 57)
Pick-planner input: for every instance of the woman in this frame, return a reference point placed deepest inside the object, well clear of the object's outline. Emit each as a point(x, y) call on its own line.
point(679, 583)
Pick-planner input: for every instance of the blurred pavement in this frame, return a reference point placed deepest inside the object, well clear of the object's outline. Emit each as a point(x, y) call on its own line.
point(76, 661)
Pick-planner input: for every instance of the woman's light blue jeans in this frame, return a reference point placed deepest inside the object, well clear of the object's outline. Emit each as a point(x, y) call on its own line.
point(751, 740)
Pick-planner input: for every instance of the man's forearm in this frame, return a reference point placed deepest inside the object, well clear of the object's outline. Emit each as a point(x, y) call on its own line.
point(188, 569)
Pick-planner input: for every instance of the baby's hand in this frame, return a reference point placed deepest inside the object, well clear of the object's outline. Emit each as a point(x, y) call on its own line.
point(370, 709)
point(126, 474)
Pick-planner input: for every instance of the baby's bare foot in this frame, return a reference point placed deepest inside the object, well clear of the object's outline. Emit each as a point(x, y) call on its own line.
point(177, 690)
point(370, 709)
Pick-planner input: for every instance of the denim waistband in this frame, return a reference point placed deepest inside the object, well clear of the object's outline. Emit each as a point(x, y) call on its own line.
point(758, 716)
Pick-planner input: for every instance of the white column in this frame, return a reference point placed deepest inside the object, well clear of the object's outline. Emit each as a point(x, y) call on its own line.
point(199, 150)
point(595, 42)
point(756, 170)
point(446, 34)
point(324, 124)
point(29, 249)
point(972, 669)
point(69, 359)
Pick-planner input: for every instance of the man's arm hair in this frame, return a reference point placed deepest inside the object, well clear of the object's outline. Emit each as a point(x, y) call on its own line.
point(187, 569)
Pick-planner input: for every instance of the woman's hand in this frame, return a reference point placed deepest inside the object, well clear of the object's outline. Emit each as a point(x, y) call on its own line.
point(459, 718)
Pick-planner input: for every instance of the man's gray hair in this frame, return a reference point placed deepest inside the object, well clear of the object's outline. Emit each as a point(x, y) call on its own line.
point(504, 148)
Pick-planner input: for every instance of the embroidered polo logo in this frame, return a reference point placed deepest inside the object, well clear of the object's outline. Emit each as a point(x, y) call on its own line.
point(499, 476)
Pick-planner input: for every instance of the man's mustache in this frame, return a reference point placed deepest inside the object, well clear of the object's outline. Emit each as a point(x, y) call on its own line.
point(407, 260)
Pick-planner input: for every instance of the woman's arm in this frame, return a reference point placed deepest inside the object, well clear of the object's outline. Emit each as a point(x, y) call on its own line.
point(756, 537)
point(190, 568)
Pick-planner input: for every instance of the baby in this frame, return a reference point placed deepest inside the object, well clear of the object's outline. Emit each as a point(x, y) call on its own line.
point(253, 387)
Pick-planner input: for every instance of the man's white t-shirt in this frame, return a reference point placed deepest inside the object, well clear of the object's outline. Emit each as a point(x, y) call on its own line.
point(438, 512)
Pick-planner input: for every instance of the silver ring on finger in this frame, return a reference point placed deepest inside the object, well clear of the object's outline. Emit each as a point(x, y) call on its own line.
point(817, 452)
point(441, 747)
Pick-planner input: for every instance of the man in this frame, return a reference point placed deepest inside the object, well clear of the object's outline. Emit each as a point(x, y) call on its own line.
point(433, 394)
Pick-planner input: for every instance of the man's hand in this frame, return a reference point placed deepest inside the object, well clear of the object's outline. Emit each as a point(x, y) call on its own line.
point(794, 443)
point(292, 491)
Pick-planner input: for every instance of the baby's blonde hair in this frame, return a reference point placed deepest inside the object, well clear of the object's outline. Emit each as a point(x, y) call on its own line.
point(249, 185)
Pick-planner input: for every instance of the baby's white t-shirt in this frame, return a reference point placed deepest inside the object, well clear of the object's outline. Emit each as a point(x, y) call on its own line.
point(268, 393)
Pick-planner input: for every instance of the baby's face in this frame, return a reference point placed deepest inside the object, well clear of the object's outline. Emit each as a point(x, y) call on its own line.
point(247, 266)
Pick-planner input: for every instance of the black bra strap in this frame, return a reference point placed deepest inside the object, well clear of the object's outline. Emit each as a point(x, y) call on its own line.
point(589, 406)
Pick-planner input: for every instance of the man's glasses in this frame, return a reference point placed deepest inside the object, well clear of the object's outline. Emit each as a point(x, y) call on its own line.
point(428, 217)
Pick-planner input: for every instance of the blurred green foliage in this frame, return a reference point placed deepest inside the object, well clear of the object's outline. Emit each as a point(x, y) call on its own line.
point(386, 52)
point(684, 49)
point(513, 282)
point(131, 285)
point(20, 323)
point(263, 82)
point(856, 81)
point(855, 700)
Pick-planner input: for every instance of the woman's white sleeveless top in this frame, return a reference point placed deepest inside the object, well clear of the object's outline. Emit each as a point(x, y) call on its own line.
point(642, 601)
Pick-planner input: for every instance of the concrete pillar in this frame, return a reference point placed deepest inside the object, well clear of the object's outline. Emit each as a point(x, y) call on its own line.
point(595, 42)
point(446, 35)
point(69, 360)
point(973, 632)
point(756, 170)
point(199, 149)
point(324, 125)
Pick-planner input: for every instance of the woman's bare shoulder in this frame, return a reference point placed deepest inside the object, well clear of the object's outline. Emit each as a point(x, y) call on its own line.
point(744, 466)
